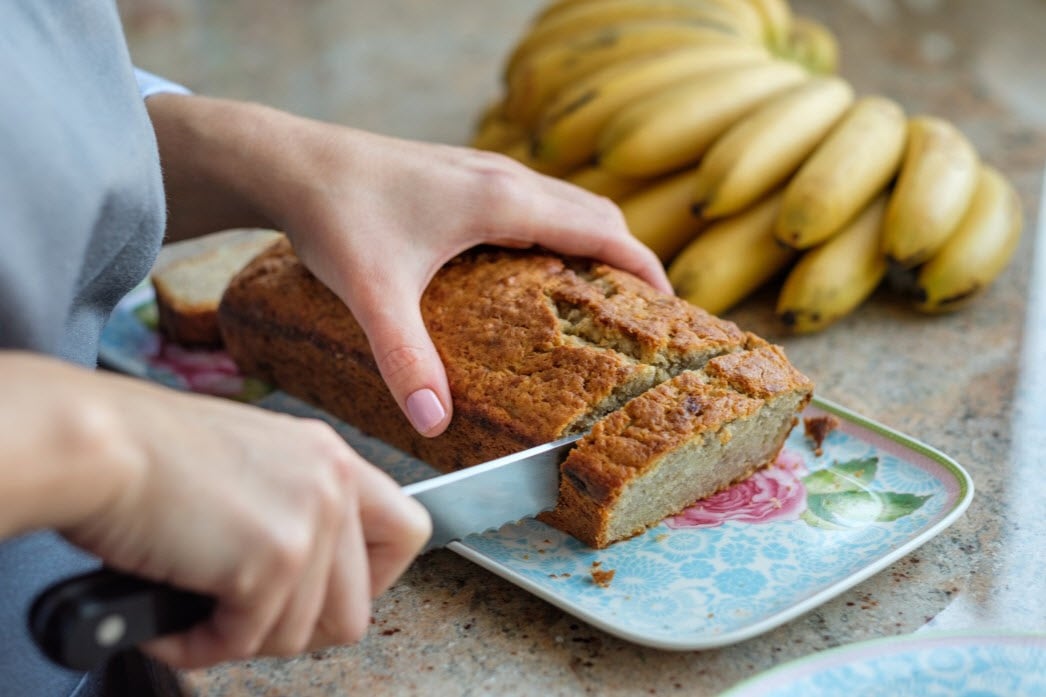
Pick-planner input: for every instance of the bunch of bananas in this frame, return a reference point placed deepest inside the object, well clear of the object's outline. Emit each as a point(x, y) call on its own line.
point(738, 155)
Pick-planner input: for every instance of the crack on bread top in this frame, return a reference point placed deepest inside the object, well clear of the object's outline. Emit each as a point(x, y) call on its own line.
point(600, 308)
point(607, 308)
point(696, 403)
point(547, 344)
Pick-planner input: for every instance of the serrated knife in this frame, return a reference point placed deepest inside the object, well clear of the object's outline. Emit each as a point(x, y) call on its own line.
point(82, 621)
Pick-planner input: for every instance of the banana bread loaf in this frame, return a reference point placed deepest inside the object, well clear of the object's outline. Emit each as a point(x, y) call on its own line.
point(537, 347)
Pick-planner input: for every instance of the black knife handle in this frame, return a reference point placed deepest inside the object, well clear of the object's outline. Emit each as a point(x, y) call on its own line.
point(82, 621)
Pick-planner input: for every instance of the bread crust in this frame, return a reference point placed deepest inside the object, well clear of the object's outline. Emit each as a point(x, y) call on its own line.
point(535, 346)
point(188, 289)
point(693, 407)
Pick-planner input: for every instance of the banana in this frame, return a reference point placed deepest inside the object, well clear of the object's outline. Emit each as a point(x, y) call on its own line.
point(761, 150)
point(659, 214)
point(777, 21)
point(979, 249)
point(731, 259)
point(813, 45)
point(673, 127)
point(833, 279)
point(549, 70)
point(735, 6)
point(556, 6)
point(569, 131)
point(856, 161)
point(571, 21)
point(494, 109)
point(522, 151)
point(938, 176)
point(601, 182)
point(496, 133)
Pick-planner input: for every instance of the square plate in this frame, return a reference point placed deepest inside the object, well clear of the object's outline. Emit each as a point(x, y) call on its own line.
point(729, 568)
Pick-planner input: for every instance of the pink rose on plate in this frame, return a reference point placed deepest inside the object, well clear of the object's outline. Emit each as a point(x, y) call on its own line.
point(208, 371)
point(773, 493)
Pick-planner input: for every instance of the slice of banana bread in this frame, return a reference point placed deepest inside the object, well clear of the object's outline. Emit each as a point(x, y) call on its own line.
point(188, 289)
point(685, 439)
point(536, 347)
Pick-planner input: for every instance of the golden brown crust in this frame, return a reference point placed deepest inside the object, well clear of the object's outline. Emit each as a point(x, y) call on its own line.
point(518, 376)
point(627, 444)
point(535, 347)
point(189, 326)
point(761, 372)
point(189, 286)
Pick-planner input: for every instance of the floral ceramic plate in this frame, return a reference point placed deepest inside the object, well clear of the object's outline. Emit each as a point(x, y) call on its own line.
point(991, 665)
point(733, 566)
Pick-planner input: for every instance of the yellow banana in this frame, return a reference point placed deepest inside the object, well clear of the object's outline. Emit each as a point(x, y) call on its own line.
point(979, 249)
point(761, 150)
point(522, 151)
point(496, 133)
point(494, 109)
point(599, 181)
point(748, 19)
point(547, 71)
point(777, 21)
point(731, 259)
point(569, 131)
point(833, 279)
point(659, 214)
point(813, 45)
point(557, 6)
point(673, 127)
point(735, 6)
point(587, 16)
point(934, 188)
point(854, 163)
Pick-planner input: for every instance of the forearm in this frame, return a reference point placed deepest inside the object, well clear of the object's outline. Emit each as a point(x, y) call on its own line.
point(199, 140)
point(63, 453)
point(231, 164)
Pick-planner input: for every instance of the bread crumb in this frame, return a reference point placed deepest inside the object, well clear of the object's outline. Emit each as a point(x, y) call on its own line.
point(817, 428)
point(601, 577)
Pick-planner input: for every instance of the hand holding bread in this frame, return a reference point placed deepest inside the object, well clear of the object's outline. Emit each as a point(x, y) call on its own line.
point(375, 217)
point(383, 306)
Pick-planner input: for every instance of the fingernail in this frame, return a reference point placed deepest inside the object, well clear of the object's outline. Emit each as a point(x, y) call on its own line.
point(425, 410)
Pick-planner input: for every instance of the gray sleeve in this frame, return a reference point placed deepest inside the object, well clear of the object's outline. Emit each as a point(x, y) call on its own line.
point(81, 196)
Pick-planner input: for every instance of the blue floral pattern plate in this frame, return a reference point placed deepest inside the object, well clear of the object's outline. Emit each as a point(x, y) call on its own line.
point(818, 521)
point(937, 663)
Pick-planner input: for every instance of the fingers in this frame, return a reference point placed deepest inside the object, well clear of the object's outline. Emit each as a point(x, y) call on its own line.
point(407, 358)
point(337, 541)
point(529, 208)
point(346, 603)
point(310, 578)
point(395, 526)
point(236, 630)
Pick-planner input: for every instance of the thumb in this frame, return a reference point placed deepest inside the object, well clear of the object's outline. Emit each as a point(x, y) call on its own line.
point(409, 364)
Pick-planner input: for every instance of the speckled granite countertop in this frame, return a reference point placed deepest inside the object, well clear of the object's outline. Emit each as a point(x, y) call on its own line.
point(970, 384)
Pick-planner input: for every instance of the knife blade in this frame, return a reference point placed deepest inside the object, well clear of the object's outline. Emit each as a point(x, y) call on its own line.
point(81, 622)
point(486, 496)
